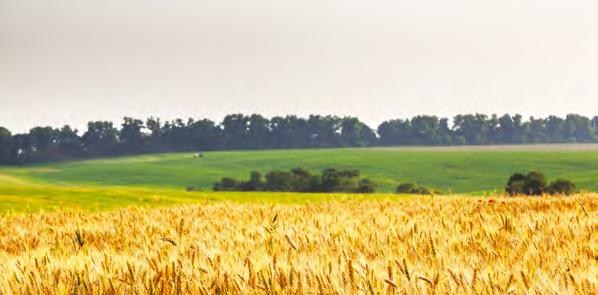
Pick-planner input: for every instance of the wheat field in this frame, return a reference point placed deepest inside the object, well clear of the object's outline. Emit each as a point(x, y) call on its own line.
point(419, 245)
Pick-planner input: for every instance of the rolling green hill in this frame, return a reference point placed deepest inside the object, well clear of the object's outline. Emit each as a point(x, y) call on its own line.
point(457, 170)
point(31, 197)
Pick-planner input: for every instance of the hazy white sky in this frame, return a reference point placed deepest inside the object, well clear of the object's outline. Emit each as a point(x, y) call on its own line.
point(71, 61)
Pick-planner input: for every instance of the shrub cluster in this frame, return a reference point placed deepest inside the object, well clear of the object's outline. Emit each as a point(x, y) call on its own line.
point(412, 188)
point(344, 180)
point(534, 184)
point(300, 180)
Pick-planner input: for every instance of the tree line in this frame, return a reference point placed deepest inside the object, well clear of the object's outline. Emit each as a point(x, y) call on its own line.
point(237, 131)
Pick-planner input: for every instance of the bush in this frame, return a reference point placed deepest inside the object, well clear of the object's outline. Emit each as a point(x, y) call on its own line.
point(366, 186)
point(279, 181)
point(423, 191)
point(335, 180)
point(515, 184)
point(226, 184)
point(315, 184)
point(535, 184)
point(561, 187)
point(301, 180)
point(255, 183)
point(412, 188)
point(406, 188)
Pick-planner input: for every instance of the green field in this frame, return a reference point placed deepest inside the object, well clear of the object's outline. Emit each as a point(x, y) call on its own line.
point(161, 179)
point(34, 198)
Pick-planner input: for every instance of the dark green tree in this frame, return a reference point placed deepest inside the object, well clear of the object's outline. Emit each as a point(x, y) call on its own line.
point(445, 133)
point(412, 188)
point(258, 133)
point(356, 133)
point(279, 181)
point(561, 187)
point(255, 183)
point(554, 129)
point(303, 180)
point(537, 130)
point(535, 184)
point(395, 132)
point(324, 131)
point(339, 180)
point(101, 138)
point(424, 130)
point(579, 128)
point(131, 136)
point(516, 184)
point(366, 186)
point(235, 129)
point(473, 128)
point(69, 143)
point(226, 184)
point(205, 135)
point(6, 155)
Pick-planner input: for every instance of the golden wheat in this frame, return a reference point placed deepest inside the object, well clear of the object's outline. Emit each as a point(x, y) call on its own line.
point(410, 246)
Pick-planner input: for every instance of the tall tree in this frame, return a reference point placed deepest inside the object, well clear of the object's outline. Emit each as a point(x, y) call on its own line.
point(579, 128)
point(324, 131)
point(356, 133)
point(520, 134)
point(5, 146)
point(507, 129)
point(205, 135)
point(258, 132)
point(22, 150)
point(176, 135)
point(155, 139)
point(537, 130)
point(554, 129)
point(473, 128)
point(395, 132)
point(424, 130)
point(100, 139)
point(42, 143)
point(290, 131)
point(235, 129)
point(131, 136)
point(445, 134)
point(70, 144)
point(493, 126)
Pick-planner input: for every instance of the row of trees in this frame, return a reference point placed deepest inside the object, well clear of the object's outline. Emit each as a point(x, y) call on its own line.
point(239, 131)
point(300, 180)
point(481, 129)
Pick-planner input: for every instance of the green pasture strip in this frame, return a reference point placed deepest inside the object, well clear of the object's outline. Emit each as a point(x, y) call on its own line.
point(468, 171)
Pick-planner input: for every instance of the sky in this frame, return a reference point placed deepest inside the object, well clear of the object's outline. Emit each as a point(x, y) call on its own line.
point(72, 61)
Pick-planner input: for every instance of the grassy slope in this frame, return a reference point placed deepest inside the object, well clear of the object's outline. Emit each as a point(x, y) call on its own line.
point(160, 179)
point(458, 171)
point(46, 197)
point(20, 195)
